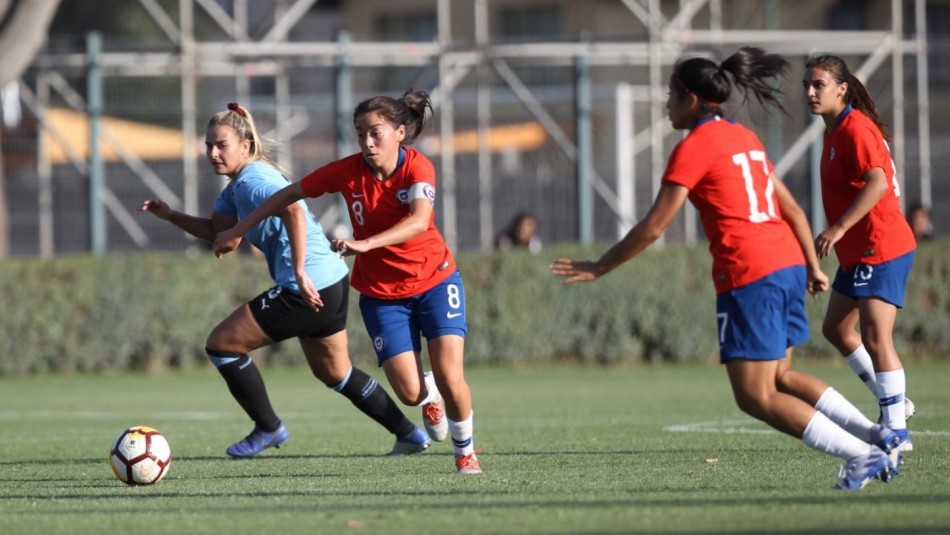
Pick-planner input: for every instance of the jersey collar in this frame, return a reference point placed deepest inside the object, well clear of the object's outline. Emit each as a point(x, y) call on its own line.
point(705, 120)
point(399, 162)
point(847, 111)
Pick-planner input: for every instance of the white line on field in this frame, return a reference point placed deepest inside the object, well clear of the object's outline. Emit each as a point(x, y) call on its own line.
point(726, 427)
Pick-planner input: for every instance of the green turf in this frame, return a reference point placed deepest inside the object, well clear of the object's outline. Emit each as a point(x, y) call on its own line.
point(566, 450)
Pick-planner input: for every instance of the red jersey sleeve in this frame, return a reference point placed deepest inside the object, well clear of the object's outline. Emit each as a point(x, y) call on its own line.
point(326, 179)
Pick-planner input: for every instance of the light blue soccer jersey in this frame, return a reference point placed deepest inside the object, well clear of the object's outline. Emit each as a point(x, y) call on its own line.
point(255, 183)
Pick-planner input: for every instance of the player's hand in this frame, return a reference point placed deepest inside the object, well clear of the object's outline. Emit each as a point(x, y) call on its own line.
point(574, 270)
point(817, 282)
point(225, 242)
point(308, 292)
point(349, 247)
point(158, 208)
point(825, 241)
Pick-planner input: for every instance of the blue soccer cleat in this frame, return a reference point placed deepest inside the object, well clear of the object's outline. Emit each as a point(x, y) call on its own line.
point(894, 442)
point(415, 442)
point(258, 441)
point(856, 473)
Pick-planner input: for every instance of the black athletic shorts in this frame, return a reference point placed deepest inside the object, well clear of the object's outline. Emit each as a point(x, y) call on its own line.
point(283, 314)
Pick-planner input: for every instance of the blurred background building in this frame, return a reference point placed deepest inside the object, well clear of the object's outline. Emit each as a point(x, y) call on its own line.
point(552, 107)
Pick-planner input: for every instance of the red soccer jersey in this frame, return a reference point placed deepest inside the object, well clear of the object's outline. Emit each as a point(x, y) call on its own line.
point(725, 168)
point(854, 147)
point(396, 271)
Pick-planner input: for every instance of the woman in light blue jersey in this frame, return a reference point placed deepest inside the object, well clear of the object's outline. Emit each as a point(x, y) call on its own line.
point(309, 300)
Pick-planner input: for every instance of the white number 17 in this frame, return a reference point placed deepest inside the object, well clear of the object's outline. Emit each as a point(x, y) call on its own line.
point(742, 160)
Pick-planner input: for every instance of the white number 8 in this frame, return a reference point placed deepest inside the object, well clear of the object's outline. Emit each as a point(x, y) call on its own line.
point(357, 208)
point(455, 301)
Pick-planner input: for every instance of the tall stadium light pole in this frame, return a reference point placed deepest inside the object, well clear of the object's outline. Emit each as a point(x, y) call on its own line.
point(97, 217)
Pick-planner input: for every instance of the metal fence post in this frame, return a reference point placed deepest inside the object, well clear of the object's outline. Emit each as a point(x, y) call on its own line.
point(97, 218)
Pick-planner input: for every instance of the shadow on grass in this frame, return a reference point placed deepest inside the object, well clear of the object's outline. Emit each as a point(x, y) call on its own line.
point(449, 499)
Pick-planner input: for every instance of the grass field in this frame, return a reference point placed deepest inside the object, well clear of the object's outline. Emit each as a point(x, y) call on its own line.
point(566, 450)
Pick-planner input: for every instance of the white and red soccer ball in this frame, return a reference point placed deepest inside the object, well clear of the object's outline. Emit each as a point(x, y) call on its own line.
point(140, 456)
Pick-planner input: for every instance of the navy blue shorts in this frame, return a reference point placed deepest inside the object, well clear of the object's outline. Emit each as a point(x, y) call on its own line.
point(762, 319)
point(887, 281)
point(395, 325)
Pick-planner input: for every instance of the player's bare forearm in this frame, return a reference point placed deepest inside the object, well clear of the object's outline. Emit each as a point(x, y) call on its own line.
point(796, 219)
point(667, 204)
point(401, 232)
point(273, 205)
point(296, 224)
point(199, 227)
point(874, 189)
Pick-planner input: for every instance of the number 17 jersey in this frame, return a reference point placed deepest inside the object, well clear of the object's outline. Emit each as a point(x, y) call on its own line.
point(725, 168)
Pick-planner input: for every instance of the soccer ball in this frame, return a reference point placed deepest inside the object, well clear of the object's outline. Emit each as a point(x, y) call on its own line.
point(140, 456)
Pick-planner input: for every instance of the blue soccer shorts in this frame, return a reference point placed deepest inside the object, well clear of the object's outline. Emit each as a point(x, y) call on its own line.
point(762, 319)
point(887, 281)
point(395, 325)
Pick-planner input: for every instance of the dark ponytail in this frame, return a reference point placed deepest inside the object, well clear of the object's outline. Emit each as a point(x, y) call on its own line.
point(749, 67)
point(856, 95)
point(410, 110)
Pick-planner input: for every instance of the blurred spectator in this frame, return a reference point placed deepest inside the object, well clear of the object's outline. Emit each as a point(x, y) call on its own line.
point(521, 233)
point(919, 219)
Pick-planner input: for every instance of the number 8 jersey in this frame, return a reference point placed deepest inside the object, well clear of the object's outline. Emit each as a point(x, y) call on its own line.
point(724, 166)
point(396, 271)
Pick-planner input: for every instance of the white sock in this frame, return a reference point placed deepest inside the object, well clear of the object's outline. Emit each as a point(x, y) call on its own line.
point(824, 435)
point(433, 394)
point(891, 387)
point(840, 411)
point(462, 435)
point(860, 363)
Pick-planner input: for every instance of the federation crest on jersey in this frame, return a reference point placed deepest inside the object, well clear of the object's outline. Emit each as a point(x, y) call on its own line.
point(831, 156)
point(403, 196)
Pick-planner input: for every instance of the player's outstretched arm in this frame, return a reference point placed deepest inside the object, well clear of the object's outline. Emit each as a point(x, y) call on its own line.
point(228, 240)
point(199, 227)
point(667, 204)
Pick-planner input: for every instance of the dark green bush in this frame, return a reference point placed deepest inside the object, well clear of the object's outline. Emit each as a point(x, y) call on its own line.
point(153, 311)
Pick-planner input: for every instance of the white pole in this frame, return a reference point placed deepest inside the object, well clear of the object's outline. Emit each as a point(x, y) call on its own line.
point(626, 160)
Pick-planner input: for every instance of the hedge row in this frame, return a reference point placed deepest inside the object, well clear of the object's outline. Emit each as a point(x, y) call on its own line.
point(154, 311)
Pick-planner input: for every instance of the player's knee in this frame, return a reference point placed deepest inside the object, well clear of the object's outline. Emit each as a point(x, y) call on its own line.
point(750, 404)
point(217, 340)
point(407, 396)
point(451, 383)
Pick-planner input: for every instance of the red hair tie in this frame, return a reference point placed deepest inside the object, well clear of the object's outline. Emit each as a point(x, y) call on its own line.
point(235, 107)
